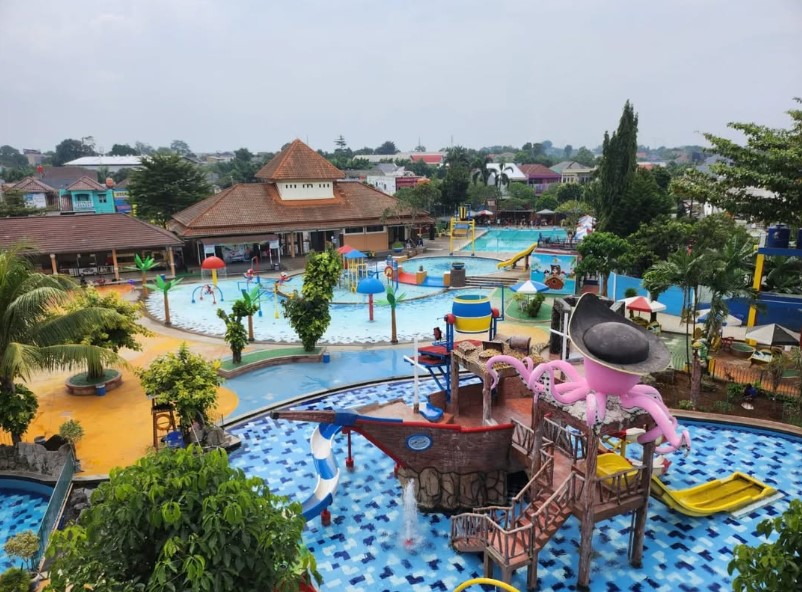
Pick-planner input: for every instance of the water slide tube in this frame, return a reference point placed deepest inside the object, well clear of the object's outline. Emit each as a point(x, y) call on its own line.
point(517, 257)
point(327, 470)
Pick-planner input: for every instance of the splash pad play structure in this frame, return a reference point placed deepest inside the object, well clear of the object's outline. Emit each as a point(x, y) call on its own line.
point(503, 427)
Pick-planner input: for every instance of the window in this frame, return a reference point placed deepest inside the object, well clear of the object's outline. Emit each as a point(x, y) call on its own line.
point(374, 228)
point(354, 230)
point(101, 197)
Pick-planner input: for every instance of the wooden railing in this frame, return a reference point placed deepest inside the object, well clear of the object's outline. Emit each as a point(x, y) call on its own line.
point(618, 488)
point(523, 437)
point(567, 441)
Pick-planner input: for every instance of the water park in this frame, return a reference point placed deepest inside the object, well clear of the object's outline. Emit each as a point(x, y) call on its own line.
point(489, 446)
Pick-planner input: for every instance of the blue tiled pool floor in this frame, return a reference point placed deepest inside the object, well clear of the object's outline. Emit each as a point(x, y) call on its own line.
point(19, 511)
point(361, 549)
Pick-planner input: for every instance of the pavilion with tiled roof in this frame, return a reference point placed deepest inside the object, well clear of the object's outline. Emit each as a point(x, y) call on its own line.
point(300, 202)
point(88, 244)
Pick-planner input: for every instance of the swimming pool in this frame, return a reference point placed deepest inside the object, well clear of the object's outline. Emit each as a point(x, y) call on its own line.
point(512, 240)
point(415, 317)
point(361, 551)
point(437, 266)
point(22, 507)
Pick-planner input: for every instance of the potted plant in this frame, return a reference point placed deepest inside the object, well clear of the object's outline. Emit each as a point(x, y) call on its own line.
point(398, 247)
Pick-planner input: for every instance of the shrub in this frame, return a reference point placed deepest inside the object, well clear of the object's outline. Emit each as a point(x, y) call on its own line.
point(534, 305)
point(723, 407)
point(15, 580)
point(24, 545)
point(630, 293)
point(72, 431)
point(685, 404)
point(17, 409)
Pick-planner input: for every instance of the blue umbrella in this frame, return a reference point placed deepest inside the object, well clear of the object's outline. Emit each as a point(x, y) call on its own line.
point(355, 255)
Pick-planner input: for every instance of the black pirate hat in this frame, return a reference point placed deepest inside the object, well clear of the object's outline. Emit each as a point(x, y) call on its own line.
point(614, 341)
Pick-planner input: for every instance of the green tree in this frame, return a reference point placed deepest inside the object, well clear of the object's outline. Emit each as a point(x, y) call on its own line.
point(13, 204)
point(70, 149)
point(547, 202)
point(183, 519)
point(180, 147)
point(584, 156)
point(457, 179)
point(387, 148)
point(479, 195)
point(482, 172)
point(601, 253)
point(573, 211)
point(654, 242)
point(236, 336)
point(241, 169)
point(32, 338)
point(726, 276)
point(568, 151)
point(521, 192)
point(17, 174)
point(72, 431)
point(393, 298)
point(617, 171)
point(15, 579)
point(123, 150)
point(249, 307)
point(166, 184)
point(12, 158)
point(642, 202)
point(164, 286)
point(117, 332)
point(187, 381)
point(772, 566)
point(412, 204)
point(770, 159)
point(144, 264)
point(24, 545)
point(308, 312)
point(17, 410)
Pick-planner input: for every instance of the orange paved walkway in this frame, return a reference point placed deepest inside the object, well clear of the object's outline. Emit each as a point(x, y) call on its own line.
point(118, 428)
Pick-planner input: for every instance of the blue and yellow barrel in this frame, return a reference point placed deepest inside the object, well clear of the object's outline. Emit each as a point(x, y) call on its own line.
point(472, 312)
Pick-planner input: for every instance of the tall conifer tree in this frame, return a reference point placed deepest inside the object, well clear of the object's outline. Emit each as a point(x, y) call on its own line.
point(617, 167)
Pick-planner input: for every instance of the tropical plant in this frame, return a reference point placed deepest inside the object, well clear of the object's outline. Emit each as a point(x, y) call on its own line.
point(309, 312)
point(482, 172)
point(15, 579)
point(726, 275)
point(32, 338)
point(250, 306)
point(393, 298)
point(183, 519)
point(602, 253)
point(24, 545)
point(144, 265)
point(114, 334)
point(17, 411)
point(235, 336)
point(500, 177)
point(164, 286)
point(185, 380)
point(72, 431)
point(775, 565)
point(783, 275)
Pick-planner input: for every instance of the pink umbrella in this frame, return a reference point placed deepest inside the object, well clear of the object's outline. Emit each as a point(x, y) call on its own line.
point(643, 304)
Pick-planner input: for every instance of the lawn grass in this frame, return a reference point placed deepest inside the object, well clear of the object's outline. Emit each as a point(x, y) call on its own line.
point(513, 311)
point(267, 354)
point(82, 379)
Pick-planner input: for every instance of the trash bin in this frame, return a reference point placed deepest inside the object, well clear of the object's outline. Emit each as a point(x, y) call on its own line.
point(100, 390)
point(276, 267)
point(326, 357)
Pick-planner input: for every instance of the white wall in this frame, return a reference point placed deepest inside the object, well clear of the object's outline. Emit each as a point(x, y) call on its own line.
point(306, 189)
point(385, 184)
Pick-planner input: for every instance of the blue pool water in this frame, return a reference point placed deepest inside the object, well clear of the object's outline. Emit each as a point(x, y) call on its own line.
point(361, 549)
point(349, 322)
point(437, 266)
point(512, 240)
point(22, 507)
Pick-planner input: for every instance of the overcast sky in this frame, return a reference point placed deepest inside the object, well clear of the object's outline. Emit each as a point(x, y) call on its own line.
point(225, 74)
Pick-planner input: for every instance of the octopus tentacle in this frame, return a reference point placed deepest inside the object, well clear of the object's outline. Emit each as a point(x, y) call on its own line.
point(519, 366)
point(666, 424)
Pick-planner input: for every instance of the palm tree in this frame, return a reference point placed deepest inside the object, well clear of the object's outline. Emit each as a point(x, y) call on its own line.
point(164, 286)
point(457, 156)
point(250, 305)
point(393, 299)
point(500, 177)
point(726, 275)
point(481, 170)
point(784, 274)
point(144, 265)
point(36, 331)
point(685, 269)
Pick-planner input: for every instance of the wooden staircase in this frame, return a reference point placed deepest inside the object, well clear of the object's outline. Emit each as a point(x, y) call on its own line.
point(512, 536)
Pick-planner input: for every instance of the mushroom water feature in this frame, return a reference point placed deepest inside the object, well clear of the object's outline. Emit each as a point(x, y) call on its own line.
point(370, 286)
point(213, 263)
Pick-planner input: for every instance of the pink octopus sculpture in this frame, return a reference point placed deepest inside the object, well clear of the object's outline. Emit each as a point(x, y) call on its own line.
point(617, 353)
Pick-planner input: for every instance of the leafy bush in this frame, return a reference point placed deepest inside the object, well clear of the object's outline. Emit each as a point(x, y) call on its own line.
point(534, 305)
point(630, 293)
point(24, 545)
point(15, 580)
point(776, 565)
point(17, 410)
point(735, 392)
point(72, 431)
point(685, 404)
point(723, 407)
point(187, 381)
point(182, 519)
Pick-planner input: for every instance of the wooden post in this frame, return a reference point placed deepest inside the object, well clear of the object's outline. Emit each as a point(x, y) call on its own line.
point(454, 410)
point(539, 427)
point(171, 261)
point(486, 399)
point(115, 265)
point(53, 263)
point(642, 513)
point(587, 517)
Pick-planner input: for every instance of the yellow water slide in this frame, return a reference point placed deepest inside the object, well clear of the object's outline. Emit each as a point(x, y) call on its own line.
point(720, 495)
point(517, 257)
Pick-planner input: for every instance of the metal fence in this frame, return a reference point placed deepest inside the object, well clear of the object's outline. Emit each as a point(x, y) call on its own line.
point(755, 375)
point(54, 508)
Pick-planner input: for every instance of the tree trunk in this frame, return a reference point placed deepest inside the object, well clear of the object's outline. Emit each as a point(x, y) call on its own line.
point(393, 334)
point(696, 380)
point(144, 283)
point(167, 311)
point(236, 356)
point(250, 328)
point(603, 285)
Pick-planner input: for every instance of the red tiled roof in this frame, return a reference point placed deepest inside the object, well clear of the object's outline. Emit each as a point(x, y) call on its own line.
point(427, 158)
point(298, 161)
point(86, 184)
point(84, 233)
point(31, 185)
point(252, 208)
point(538, 171)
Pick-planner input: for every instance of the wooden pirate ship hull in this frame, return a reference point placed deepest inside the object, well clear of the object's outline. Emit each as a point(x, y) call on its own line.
point(447, 447)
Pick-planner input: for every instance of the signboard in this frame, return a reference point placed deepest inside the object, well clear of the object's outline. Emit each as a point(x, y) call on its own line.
point(35, 200)
point(556, 271)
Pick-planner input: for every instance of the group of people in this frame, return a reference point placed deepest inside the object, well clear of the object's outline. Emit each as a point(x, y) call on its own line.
point(418, 242)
